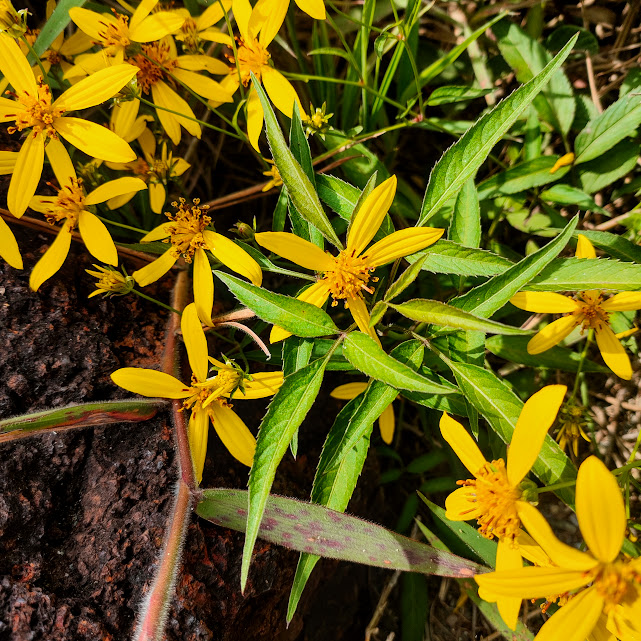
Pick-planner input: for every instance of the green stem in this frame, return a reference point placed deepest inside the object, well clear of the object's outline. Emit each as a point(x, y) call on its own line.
point(157, 302)
point(121, 225)
point(627, 467)
point(577, 379)
point(556, 486)
point(36, 57)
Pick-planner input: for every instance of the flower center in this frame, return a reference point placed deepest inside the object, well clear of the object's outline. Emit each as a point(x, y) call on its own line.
point(189, 37)
point(155, 63)
point(115, 35)
point(186, 228)
point(68, 204)
point(617, 582)
point(495, 499)
point(40, 112)
point(252, 57)
point(591, 312)
point(349, 278)
point(212, 390)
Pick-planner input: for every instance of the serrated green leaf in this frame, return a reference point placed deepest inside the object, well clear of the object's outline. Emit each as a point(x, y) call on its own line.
point(286, 412)
point(337, 194)
point(364, 354)
point(296, 316)
point(567, 195)
point(610, 166)
point(436, 313)
point(299, 188)
point(454, 93)
point(465, 227)
point(377, 312)
point(617, 122)
point(446, 257)
point(54, 26)
point(464, 157)
point(405, 279)
point(514, 349)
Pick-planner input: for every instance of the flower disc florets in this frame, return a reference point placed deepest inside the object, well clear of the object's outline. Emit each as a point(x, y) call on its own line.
point(186, 228)
point(189, 37)
point(252, 57)
point(155, 63)
point(115, 35)
point(591, 313)
point(68, 204)
point(617, 582)
point(40, 112)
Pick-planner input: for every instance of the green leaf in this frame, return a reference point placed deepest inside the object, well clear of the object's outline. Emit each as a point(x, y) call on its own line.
point(340, 196)
point(610, 166)
point(489, 297)
point(514, 350)
point(567, 195)
point(299, 187)
point(405, 279)
point(286, 412)
point(464, 157)
point(436, 313)
point(617, 122)
point(465, 227)
point(586, 42)
point(318, 530)
point(329, 51)
point(454, 93)
point(297, 317)
point(54, 26)
point(415, 607)
point(364, 354)
point(81, 415)
point(446, 257)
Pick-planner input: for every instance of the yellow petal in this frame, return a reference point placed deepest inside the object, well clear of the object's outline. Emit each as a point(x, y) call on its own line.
point(60, 162)
point(144, 8)
point(7, 162)
point(508, 558)
point(195, 342)
point(462, 443)
point(386, 424)
point(155, 270)
point(94, 140)
point(297, 250)
point(268, 17)
point(600, 510)
point(92, 23)
point(76, 43)
point(263, 384)
point(97, 238)
point(358, 310)
point(242, 12)
point(316, 295)
point(584, 248)
point(9, 250)
point(544, 302)
point(460, 505)
point(233, 433)
point(254, 118)
point(123, 117)
point(313, 8)
point(348, 391)
point(15, 68)
point(52, 260)
point(9, 108)
point(612, 351)
point(26, 174)
point(96, 88)
point(157, 197)
point(203, 286)
point(166, 97)
point(156, 26)
point(43, 204)
point(280, 91)
point(401, 243)
point(529, 548)
point(179, 167)
point(157, 233)
point(575, 620)
point(563, 161)
point(216, 35)
point(212, 14)
point(623, 302)
point(150, 382)
point(234, 257)
point(536, 418)
point(198, 437)
point(370, 216)
point(114, 188)
point(201, 63)
point(552, 334)
point(203, 86)
point(278, 334)
point(119, 201)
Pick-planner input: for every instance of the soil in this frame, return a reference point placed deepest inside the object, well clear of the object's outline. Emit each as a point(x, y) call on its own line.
point(83, 512)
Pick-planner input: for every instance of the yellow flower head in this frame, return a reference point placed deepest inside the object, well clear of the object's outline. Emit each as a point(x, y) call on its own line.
point(208, 399)
point(604, 586)
point(589, 310)
point(274, 175)
point(198, 30)
point(12, 22)
point(317, 122)
point(572, 425)
point(346, 276)
point(110, 282)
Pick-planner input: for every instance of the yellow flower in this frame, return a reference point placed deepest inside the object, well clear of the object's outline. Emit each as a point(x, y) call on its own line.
point(495, 496)
point(72, 205)
point(274, 175)
point(9, 249)
point(188, 233)
point(111, 282)
point(257, 30)
point(608, 584)
point(563, 161)
point(34, 109)
point(201, 28)
point(208, 399)
point(572, 424)
point(385, 421)
point(589, 309)
point(347, 275)
point(12, 22)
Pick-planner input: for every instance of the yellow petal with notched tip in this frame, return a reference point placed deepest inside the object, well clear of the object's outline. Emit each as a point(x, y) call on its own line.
point(203, 86)
point(462, 443)
point(203, 286)
point(9, 250)
point(157, 197)
point(52, 260)
point(155, 270)
point(60, 162)
point(26, 174)
point(97, 238)
point(508, 558)
point(114, 188)
point(212, 14)
point(401, 243)
point(370, 216)
point(198, 432)
point(195, 342)
point(348, 391)
point(297, 250)
point(15, 68)
point(166, 97)
point(157, 233)
point(233, 256)
point(242, 13)
point(584, 248)
point(96, 88)
point(575, 620)
point(600, 510)
point(254, 118)
point(460, 505)
point(358, 310)
point(315, 295)
point(150, 382)
point(268, 17)
point(156, 26)
point(536, 418)
point(233, 433)
point(386, 424)
point(313, 8)
point(552, 334)
point(544, 302)
point(281, 92)
point(264, 384)
point(623, 302)
point(613, 352)
point(96, 141)
point(200, 63)
point(92, 23)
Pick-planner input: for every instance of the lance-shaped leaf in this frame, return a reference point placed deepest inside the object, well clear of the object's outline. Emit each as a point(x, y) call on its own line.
point(609, 167)
point(299, 187)
point(54, 25)
point(83, 415)
point(286, 412)
point(446, 257)
point(437, 313)
point(318, 530)
point(462, 160)
point(364, 354)
point(296, 316)
point(567, 195)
